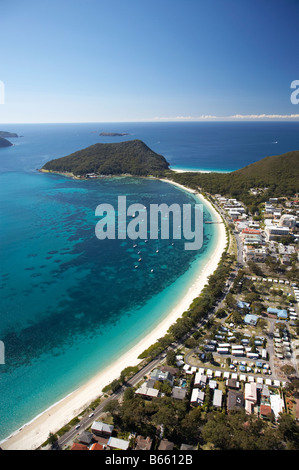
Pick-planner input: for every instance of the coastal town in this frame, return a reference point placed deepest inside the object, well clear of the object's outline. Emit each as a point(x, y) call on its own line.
point(242, 356)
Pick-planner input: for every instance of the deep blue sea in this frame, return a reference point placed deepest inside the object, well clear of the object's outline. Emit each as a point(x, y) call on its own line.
point(70, 303)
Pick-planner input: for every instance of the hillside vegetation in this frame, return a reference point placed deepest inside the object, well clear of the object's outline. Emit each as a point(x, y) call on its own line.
point(278, 173)
point(131, 157)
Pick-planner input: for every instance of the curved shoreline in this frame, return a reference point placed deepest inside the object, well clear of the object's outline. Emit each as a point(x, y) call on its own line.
point(35, 432)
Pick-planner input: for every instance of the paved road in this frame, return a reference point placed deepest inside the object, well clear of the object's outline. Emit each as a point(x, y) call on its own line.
point(68, 438)
point(235, 234)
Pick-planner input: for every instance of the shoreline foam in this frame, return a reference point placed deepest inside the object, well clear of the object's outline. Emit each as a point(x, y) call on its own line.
point(34, 433)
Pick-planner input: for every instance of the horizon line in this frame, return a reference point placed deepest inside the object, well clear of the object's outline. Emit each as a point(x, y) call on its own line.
point(141, 122)
point(202, 118)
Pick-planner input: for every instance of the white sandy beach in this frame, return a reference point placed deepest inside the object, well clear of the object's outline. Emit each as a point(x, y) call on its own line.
point(187, 170)
point(33, 434)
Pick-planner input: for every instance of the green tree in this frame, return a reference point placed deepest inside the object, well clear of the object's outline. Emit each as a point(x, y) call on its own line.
point(129, 393)
point(289, 430)
point(52, 438)
point(190, 426)
point(132, 414)
point(237, 317)
point(238, 431)
point(191, 343)
point(170, 357)
point(127, 372)
point(113, 407)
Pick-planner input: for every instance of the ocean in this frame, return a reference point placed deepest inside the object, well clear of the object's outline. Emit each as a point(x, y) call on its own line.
point(70, 303)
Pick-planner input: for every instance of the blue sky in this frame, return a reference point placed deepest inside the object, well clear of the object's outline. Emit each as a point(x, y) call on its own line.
point(129, 60)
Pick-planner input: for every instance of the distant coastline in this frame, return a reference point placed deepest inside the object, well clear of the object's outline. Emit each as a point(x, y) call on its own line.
point(4, 135)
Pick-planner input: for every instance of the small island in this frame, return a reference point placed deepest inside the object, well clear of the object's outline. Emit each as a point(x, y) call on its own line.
point(113, 134)
point(5, 143)
point(133, 158)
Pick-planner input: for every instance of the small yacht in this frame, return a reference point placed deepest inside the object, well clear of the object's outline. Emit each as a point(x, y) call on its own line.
point(157, 251)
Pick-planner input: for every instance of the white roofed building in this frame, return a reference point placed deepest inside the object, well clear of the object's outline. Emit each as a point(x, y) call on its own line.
point(217, 398)
point(250, 395)
point(197, 397)
point(102, 429)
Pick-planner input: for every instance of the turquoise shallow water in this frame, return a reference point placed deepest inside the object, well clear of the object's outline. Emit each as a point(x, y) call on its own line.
point(71, 303)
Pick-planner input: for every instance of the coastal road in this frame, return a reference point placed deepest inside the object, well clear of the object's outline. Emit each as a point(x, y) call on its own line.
point(235, 233)
point(68, 438)
point(239, 249)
